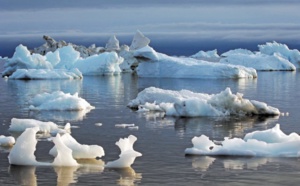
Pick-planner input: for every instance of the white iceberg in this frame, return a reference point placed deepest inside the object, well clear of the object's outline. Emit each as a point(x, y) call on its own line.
point(154, 64)
point(269, 143)
point(59, 101)
point(22, 152)
point(185, 103)
point(112, 44)
point(211, 55)
point(20, 125)
point(139, 41)
point(79, 151)
point(40, 74)
point(66, 58)
point(259, 61)
point(127, 155)
point(281, 50)
point(7, 141)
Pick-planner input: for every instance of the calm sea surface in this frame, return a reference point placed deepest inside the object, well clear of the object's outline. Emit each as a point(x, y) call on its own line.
point(161, 140)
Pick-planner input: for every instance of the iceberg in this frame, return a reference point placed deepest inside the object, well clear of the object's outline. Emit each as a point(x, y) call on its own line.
point(268, 143)
point(79, 151)
point(139, 41)
point(20, 125)
point(186, 103)
point(59, 101)
point(65, 58)
point(112, 44)
point(40, 74)
point(211, 55)
point(154, 64)
point(127, 155)
point(258, 61)
point(7, 141)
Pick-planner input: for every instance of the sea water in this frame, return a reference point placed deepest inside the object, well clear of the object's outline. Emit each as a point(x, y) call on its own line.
point(162, 140)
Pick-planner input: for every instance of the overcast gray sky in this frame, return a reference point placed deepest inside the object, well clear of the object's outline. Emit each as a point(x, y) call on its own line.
point(223, 19)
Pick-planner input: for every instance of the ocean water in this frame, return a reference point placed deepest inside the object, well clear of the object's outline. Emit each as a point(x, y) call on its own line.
point(161, 140)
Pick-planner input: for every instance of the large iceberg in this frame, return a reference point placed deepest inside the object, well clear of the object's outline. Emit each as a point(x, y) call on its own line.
point(259, 61)
point(59, 101)
point(185, 103)
point(269, 143)
point(66, 58)
point(271, 56)
point(154, 64)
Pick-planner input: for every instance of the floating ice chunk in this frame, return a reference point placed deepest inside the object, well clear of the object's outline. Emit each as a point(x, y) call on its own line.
point(164, 66)
point(79, 151)
point(185, 103)
point(64, 154)
point(7, 141)
point(260, 61)
point(106, 63)
point(124, 125)
point(269, 143)
point(98, 124)
point(20, 125)
point(23, 151)
point(112, 44)
point(59, 101)
point(282, 50)
point(39, 74)
point(139, 41)
point(211, 55)
point(273, 135)
point(127, 155)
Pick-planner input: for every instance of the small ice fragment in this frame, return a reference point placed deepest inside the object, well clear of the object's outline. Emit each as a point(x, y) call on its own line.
point(124, 125)
point(98, 124)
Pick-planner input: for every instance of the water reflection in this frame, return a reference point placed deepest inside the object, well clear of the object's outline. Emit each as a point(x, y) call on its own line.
point(24, 175)
point(128, 176)
point(206, 163)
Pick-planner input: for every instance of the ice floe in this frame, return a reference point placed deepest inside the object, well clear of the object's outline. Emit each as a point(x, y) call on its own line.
point(59, 101)
point(269, 143)
point(127, 155)
point(154, 64)
point(20, 125)
point(186, 103)
point(7, 141)
point(79, 151)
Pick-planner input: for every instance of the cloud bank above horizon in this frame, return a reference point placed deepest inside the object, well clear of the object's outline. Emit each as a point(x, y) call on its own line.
point(225, 20)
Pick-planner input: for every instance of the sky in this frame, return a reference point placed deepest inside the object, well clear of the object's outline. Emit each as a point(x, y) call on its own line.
point(190, 20)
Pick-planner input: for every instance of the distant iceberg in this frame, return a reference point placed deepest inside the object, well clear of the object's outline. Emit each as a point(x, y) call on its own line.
point(185, 103)
point(154, 64)
point(270, 57)
point(269, 143)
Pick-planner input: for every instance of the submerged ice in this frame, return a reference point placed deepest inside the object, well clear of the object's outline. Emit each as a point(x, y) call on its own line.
point(185, 103)
point(269, 143)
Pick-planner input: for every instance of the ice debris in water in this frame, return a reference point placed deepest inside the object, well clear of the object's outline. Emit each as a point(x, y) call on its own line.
point(269, 143)
point(127, 155)
point(20, 125)
point(7, 141)
point(79, 151)
point(59, 101)
point(185, 103)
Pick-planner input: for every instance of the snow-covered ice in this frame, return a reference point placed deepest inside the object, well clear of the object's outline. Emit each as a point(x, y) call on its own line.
point(154, 64)
point(59, 101)
point(40, 74)
point(211, 55)
point(66, 58)
point(112, 44)
point(20, 125)
point(127, 155)
point(269, 143)
point(186, 103)
point(7, 141)
point(139, 41)
point(79, 151)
